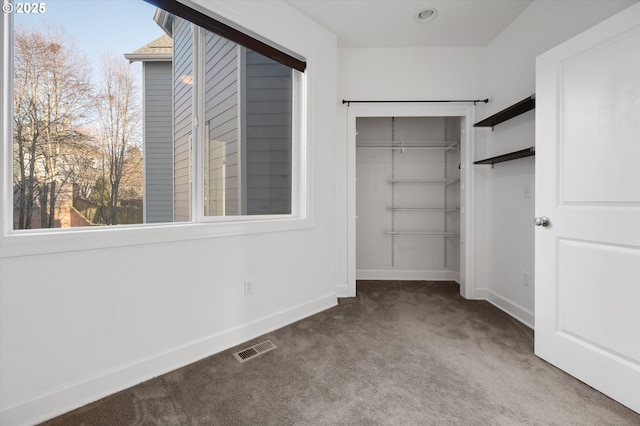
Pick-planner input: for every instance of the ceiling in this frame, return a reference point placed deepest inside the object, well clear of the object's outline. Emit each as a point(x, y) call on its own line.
point(390, 23)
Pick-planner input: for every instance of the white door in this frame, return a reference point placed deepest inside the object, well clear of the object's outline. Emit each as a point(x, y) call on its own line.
point(588, 185)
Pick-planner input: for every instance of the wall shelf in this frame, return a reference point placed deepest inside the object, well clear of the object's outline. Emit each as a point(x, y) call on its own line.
point(425, 209)
point(528, 152)
point(402, 145)
point(514, 110)
point(445, 181)
point(421, 234)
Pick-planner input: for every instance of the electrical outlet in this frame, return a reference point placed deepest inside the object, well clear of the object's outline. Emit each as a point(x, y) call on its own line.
point(248, 287)
point(525, 279)
point(525, 191)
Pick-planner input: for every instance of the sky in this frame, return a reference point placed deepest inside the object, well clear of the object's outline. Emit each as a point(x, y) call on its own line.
point(111, 26)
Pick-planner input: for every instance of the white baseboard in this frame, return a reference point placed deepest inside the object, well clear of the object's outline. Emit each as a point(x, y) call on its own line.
point(409, 275)
point(74, 395)
point(520, 313)
point(342, 290)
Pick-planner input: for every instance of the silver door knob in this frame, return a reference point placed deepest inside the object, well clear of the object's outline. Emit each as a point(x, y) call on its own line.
point(542, 221)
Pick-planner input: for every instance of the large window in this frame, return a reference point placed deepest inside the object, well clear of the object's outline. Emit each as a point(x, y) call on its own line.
point(149, 113)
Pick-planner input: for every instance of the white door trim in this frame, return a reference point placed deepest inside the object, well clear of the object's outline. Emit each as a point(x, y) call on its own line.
point(467, 183)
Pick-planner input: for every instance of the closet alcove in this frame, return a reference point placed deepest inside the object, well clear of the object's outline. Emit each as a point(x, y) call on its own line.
point(408, 197)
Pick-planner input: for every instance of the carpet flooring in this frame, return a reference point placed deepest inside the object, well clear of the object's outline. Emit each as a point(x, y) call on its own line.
point(400, 353)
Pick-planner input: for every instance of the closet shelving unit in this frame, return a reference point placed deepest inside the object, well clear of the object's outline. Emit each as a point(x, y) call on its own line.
point(442, 208)
point(506, 114)
point(417, 145)
point(445, 209)
point(408, 196)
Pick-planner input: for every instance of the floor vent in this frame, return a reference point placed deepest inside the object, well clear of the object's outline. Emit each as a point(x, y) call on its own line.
point(255, 350)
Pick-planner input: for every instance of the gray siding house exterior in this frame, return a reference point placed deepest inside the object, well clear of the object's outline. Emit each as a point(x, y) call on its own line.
point(223, 171)
point(182, 34)
point(247, 126)
point(267, 116)
point(157, 94)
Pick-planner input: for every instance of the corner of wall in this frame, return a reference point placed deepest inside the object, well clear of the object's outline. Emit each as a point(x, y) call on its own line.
point(61, 399)
point(515, 310)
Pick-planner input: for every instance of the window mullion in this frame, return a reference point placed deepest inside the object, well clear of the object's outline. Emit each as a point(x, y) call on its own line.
point(299, 174)
point(198, 160)
point(242, 129)
point(6, 127)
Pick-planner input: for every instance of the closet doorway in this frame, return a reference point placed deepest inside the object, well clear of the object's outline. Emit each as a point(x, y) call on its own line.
point(410, 196)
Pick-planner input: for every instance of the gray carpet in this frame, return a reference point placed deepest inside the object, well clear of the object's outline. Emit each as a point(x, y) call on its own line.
point(400, 353)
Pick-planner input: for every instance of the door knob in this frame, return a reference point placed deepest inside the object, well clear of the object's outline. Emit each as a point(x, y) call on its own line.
point(542, 221)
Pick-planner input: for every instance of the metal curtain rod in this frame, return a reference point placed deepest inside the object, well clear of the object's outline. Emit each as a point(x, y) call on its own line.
point(475, 101)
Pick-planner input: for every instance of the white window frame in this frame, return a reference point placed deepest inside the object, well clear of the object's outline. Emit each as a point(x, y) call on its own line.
point(298, 151)
point(14, 243)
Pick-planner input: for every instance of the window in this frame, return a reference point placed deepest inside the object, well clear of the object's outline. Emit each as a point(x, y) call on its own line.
point(197, 122)
point(247, 141)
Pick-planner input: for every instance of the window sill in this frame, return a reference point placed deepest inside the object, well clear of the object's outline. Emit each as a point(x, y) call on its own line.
point(36, 242)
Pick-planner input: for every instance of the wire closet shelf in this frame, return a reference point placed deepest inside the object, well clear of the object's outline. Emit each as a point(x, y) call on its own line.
point(408, 145)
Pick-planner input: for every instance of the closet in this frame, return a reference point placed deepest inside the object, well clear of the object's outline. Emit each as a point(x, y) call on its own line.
point(408, 197)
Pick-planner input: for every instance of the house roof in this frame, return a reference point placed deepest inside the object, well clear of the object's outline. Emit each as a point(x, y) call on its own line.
point(160, 49)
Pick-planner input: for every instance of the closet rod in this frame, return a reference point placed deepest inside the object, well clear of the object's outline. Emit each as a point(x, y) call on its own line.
point(475, 101)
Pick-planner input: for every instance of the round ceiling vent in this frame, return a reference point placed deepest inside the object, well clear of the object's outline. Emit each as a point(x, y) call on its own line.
point(426, 15)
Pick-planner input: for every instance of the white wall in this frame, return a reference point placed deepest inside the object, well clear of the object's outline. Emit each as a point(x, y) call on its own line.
point(79, 325)
point(504, 71)
point(396, 74)
point(507, 249)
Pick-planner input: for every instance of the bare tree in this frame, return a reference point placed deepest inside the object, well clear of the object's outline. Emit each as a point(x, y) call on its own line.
point(26, 128)
point(119, 113)
point(131, 183)
point(52, 94)
point(81, 165)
